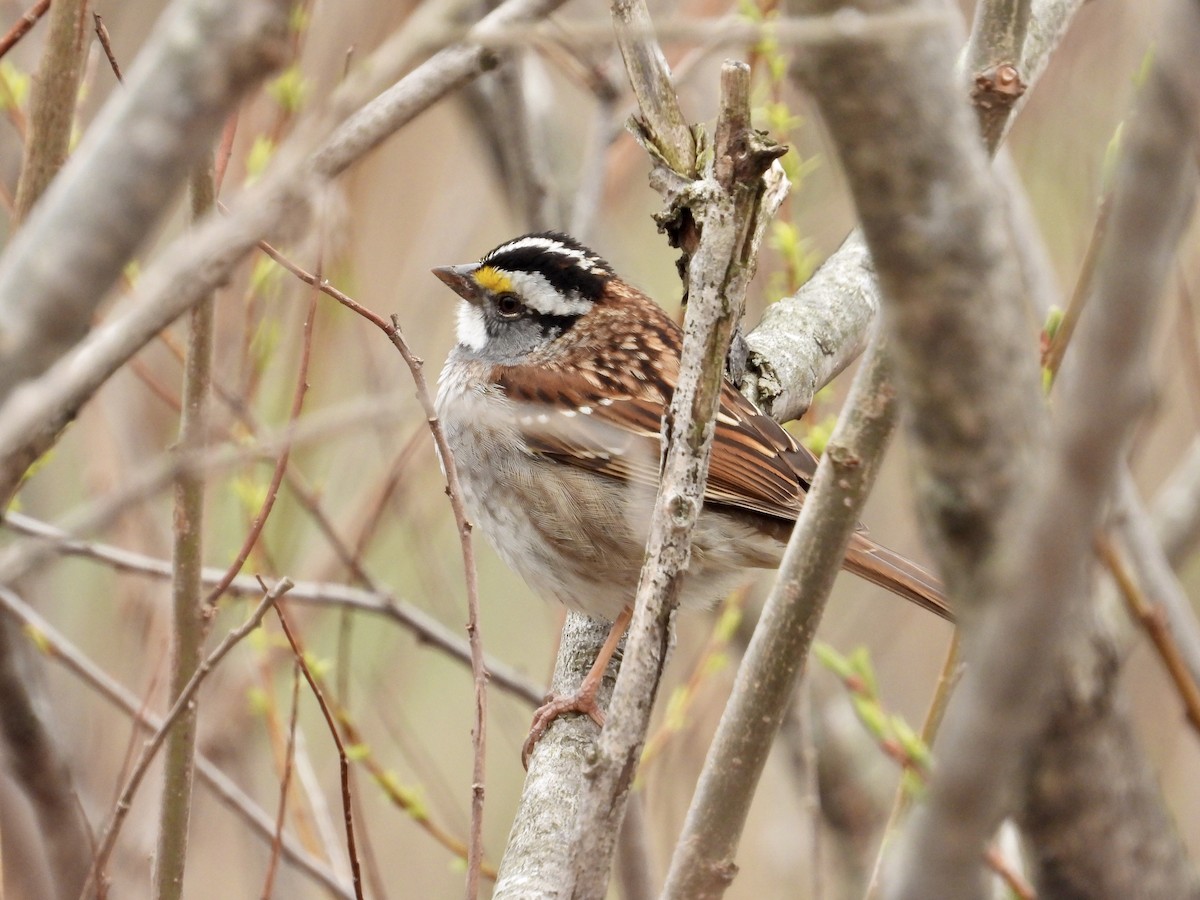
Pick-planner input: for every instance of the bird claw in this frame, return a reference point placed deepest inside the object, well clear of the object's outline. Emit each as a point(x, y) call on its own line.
point(583, 702)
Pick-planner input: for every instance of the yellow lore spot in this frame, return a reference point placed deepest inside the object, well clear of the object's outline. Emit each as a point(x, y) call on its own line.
point(493, 279)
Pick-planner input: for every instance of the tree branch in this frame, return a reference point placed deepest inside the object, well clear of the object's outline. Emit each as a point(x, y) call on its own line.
point(661, 119)
point(179, 707)
point(202, 58)
point(190, 617)
point(378, 603)
point(229, 794)
point(537, 856)
point(703, 865)
point(52, 104)
point(804, 341)
point(1019, 679)
point(195, 264)
point(732, 206)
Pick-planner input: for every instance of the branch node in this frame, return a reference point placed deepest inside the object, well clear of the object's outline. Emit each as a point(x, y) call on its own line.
point(998, 87)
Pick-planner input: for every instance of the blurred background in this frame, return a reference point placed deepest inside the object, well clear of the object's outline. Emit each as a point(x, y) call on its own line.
point(444, 190)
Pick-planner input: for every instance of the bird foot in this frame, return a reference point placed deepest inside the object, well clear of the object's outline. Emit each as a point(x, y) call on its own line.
point(582, 702)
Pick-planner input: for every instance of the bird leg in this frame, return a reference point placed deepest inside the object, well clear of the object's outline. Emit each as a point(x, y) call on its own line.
point(583, 700)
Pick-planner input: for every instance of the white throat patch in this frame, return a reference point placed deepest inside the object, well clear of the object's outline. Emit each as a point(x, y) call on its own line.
point(472, 332)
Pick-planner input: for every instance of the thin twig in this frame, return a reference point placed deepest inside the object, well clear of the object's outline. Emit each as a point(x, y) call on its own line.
point(57, 648)
point(478, 668)
point(403, 798)
point(293, 479)
point(424, 628)
point(947, 680)
point(454, 491)
point(914, 758)
point(1053, 357)
point(21, 27)
point(260, 520)
point(1153, 622)
point(21, 559)
point(106, 44)
point(189, 268)
point(284, 785)
point(1152, 569)
point(109, 838)
point(343, 759)
point(1014, 880)
point(724, 629)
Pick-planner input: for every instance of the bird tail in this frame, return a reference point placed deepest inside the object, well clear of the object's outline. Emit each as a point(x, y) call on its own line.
point(891, 571)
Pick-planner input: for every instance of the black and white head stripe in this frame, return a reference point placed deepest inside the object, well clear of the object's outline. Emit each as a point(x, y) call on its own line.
point(576, 273)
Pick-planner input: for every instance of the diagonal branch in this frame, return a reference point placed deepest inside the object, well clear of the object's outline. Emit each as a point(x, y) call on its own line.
point(804, 341)
point(178, 708)
point(195, 264)
point(201, 59)
point(420, 624)
point(59, 649)
point(661, 119)
point(703, 865)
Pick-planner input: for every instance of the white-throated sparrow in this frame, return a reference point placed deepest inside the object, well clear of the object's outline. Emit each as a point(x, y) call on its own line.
point(553, 402)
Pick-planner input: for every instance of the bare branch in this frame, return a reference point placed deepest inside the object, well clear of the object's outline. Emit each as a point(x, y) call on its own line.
point(1154, 624)
point(804, 341)
point(993, 60)
point(38, 765)
point(178, 708)
point(732, 205)
point(471, 576)
point(229, 794)
point(1177, 509)
point(703, 865)
point(426, 629)
point(22, 26)
point(192, 266)
point(1018, 676)
point(787, 363)
point(202, 58)
point(1162, 588)
point(935, 224)
point(662, 121)
point(52, 105)
point(190, 618)
point(343, 760)
point(551, 795)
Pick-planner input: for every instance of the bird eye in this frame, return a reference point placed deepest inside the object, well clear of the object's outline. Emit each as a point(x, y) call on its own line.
point(509, 306)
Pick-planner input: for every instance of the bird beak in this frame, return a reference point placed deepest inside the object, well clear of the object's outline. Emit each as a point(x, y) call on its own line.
point(459, 280)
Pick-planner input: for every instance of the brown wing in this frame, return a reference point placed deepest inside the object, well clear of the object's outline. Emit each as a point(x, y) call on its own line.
point(609, 422)
point(756, 464)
